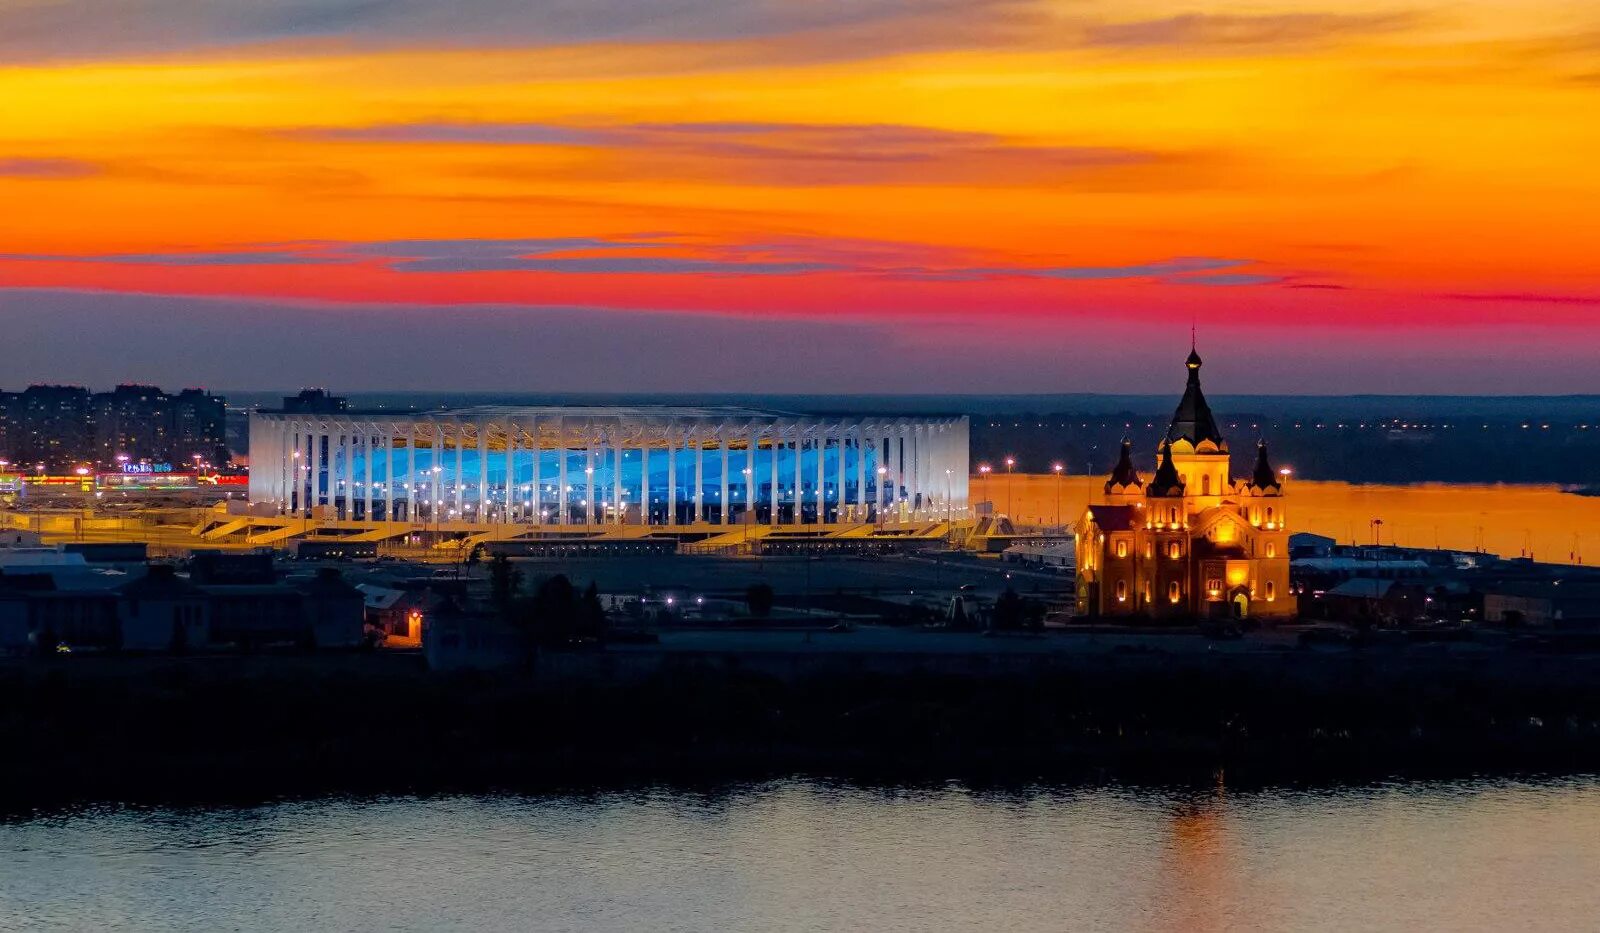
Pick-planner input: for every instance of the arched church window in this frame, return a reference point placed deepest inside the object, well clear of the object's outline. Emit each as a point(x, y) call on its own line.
point(1174, 592)
point(1122, 549)
point(1269, 514)
point(1272, 549)
point(1172, 515)
point(1272, 591)
point(1122, 591)
point(1205, 485)
point(1174, 550)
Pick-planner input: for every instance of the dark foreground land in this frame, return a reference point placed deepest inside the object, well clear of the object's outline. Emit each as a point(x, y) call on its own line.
point(196, 729)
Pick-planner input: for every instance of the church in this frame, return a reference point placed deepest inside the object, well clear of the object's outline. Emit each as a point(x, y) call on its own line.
point(1189, 541)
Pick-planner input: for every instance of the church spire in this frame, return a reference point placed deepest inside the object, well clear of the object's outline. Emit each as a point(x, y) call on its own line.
point(1264, 477)
point(1193, 421)
point(1123, 476)
point(1167, 482)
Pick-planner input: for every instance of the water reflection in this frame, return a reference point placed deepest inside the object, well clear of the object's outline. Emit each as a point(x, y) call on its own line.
point(1196, 867)
point(805, 855)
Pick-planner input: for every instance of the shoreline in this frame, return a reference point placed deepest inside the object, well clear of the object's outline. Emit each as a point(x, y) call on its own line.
point(201, 729)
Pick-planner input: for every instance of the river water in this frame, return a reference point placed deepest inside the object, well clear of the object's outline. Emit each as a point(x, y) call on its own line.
point(805, 855)
point(1543, 522)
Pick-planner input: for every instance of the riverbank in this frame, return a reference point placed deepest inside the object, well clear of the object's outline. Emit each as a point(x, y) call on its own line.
point(220, 728)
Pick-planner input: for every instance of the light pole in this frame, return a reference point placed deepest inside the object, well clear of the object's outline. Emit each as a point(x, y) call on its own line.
point(744, 517)
point(1057, 469)
point(882, 472)
point(1010, 467)
point(588, 491)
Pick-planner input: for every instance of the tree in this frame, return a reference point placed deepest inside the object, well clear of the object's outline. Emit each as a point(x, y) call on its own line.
point(1009, 613)
point(556, 615)
point(504, 581)
point(591, 615)
point(958, 613)
point(759, 597)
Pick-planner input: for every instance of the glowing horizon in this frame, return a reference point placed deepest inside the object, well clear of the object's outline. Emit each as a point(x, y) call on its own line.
point(1000, 195)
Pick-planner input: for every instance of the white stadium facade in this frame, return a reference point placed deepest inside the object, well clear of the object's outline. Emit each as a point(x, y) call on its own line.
point(598, 466)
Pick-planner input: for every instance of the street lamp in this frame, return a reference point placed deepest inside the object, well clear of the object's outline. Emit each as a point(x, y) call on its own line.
point(1010, 465)
point(1057, 469)
point(882, 472)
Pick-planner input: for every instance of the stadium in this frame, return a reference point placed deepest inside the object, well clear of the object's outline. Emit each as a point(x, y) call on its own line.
point(601, 466)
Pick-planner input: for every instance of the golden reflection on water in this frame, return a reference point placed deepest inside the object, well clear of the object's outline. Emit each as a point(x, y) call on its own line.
point(1539, 521)
point(1198, 869)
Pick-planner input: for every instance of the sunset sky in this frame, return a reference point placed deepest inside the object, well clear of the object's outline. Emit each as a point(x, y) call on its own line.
point(813, 195)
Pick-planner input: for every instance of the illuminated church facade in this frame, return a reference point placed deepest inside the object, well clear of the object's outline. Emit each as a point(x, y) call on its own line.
point(1189, 541)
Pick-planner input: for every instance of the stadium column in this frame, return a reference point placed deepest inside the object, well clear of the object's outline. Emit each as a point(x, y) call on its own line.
point(644, 481)
point(798, 437)
point(367, 432)
point(617, 452)
point(821, 472)
point(699, 472)
point(919, 452)
point(307, 464)
point(352, 444)
point(533, 501)
point(388, 474)
point(325, 481)
point(509, 458)
point(562, 515)
point(291, 462)
point(320, 455)
point(901, 478)
point(460, 498)
point(774, 496)
point(335, 471)
point(481, 508)
point(838, 473)
point(893, 456)
point(347, 449)
point(672, 474)
point(335, 452)
point(588, 481)
point(749, 473)
point(308, 497)
point(411, 472)
point(863, 511)
point(335, 477)
point(436, 484)
point(722, 441)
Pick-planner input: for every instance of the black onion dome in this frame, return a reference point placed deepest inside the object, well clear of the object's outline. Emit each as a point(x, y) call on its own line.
point(1193, 421)
point(1166, 481)
point(1264, 476)
point(1123, 474)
